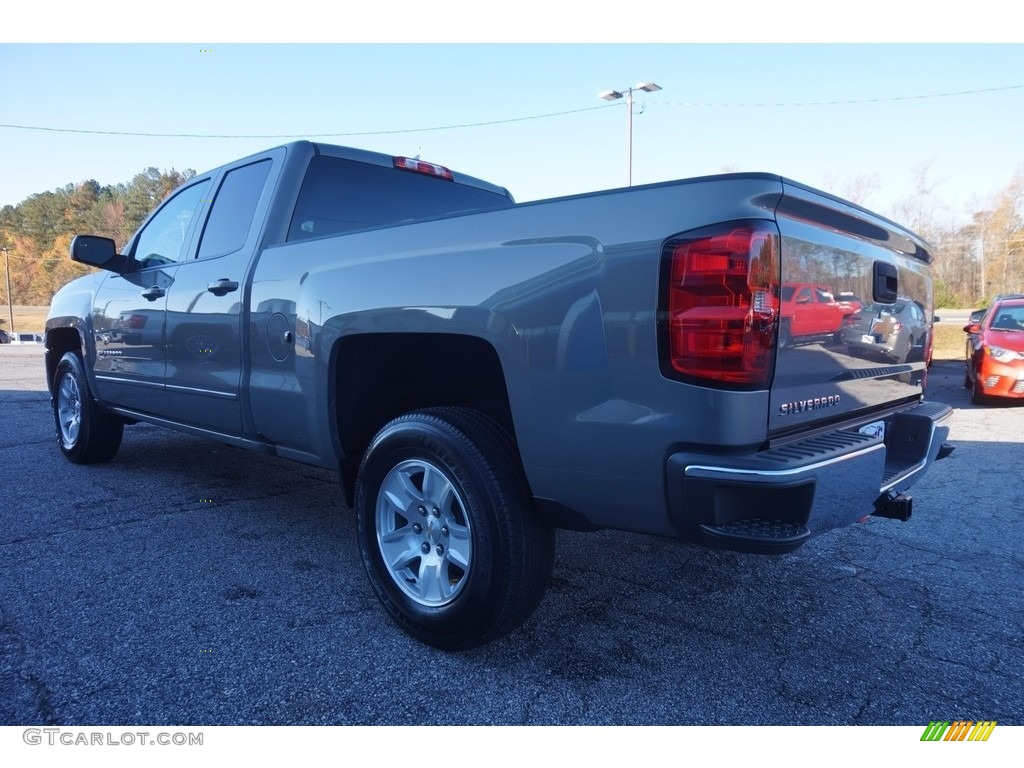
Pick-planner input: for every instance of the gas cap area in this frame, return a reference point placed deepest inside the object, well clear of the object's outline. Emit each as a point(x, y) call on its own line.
point(279, 336)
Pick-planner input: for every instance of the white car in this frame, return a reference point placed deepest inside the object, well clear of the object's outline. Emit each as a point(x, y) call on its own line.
point(26, 338)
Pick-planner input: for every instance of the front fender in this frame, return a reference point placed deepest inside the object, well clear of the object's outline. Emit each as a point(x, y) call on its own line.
point(69, 326)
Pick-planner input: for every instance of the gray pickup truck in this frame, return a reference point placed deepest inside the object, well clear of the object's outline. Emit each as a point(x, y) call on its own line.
point(482, 372)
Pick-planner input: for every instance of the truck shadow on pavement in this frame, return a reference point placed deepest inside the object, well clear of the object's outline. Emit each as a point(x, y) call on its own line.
point(191, 583)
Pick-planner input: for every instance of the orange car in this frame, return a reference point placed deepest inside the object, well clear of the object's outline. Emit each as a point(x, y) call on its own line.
point(995, 361)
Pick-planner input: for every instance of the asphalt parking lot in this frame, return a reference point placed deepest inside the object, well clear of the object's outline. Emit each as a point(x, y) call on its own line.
point(189, 583)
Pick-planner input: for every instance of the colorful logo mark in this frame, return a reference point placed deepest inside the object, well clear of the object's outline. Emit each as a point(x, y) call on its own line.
point(958, 730)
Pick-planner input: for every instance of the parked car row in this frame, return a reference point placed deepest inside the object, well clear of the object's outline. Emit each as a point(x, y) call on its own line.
point(995, 350)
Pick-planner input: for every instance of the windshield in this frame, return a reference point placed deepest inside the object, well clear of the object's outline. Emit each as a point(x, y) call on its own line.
point(892, 309)
point(1008, 318)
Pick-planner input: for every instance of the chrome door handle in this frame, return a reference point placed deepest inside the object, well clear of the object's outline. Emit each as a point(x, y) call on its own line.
point(222, 286)
point(153, 293)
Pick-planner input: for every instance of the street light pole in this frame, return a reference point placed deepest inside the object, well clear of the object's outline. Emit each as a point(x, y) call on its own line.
point(628, 94)
point(10, 300)
point(629, 137)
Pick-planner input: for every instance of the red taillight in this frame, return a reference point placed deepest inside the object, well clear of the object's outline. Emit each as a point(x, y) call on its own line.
point(418, 166)
point(723, 304)
point(137, 321)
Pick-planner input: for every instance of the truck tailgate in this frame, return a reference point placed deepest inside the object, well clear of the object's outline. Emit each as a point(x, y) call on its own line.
point(871, 353)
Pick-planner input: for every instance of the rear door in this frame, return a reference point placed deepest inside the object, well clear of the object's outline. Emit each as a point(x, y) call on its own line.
point(205, 306)
point(839, 247)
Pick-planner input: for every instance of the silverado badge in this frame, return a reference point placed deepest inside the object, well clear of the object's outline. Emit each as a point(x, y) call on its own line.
point(811, 404)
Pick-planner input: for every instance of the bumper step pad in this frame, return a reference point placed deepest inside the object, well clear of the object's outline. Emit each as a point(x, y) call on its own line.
point(766, 537)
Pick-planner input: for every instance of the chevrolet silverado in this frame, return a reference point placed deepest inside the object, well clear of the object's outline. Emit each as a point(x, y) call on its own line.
point(481, 372)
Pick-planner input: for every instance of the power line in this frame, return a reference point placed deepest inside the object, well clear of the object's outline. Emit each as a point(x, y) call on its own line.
point(877, 100)
point(690, 104)
point(35, 259)
point(303, 135)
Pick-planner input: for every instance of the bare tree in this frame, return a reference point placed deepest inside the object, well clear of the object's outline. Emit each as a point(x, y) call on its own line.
point(1000, 229)
point(859, 189)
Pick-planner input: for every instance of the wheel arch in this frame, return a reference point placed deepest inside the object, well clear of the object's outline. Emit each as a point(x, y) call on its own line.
point(380, 376)
point(60, 341)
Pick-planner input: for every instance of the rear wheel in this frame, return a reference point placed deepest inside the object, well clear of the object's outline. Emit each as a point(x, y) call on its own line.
point(978, 396)
point(85, 434)
point(785, 334)
point(447, 529)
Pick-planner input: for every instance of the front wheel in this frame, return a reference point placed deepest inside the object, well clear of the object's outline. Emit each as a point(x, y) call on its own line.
point(447, 529)
point(85, 434)
point(978, 396)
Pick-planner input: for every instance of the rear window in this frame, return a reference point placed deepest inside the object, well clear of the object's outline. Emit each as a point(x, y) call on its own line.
point(345, 196)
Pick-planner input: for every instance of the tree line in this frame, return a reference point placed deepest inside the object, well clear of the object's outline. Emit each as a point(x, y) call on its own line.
point(973, 261)
point(37, 232)
point(985, 257)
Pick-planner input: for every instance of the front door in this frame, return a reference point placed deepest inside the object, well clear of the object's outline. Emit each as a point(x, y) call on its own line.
point(128, 315)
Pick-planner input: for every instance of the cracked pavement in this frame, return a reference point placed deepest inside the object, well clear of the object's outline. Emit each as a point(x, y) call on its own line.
point(190, 583)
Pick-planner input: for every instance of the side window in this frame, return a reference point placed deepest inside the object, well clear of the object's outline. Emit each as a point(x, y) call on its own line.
point(163, 239)
point(804, 297)
point(230, 220)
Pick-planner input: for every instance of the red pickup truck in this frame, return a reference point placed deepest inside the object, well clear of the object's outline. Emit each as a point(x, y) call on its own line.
point(811, 312)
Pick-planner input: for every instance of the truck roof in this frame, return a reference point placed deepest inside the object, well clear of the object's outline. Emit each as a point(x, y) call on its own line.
point(379, 158)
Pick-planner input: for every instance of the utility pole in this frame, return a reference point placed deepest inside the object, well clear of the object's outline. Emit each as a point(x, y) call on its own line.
point(10, 300)
point(983, 259)
point(628, 94)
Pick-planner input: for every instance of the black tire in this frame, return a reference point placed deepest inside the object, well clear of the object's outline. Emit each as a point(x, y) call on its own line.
point(785, 336)
point(922, 350)
point(85, 434)
point(978, 396)
point(451, 476)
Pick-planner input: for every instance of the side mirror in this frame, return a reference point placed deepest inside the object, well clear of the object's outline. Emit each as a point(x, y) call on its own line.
point(99, 252)
point(936, 319)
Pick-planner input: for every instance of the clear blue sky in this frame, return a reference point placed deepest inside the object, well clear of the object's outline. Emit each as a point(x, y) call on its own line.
point(717, 111)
